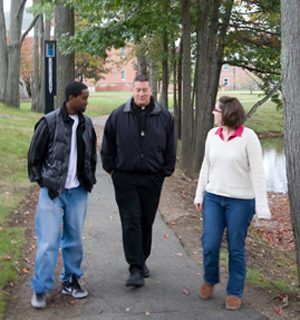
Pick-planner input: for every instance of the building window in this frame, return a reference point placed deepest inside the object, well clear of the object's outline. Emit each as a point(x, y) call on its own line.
point(226, 67)
point(123, 52)
point(226, 82)
point(123, 75)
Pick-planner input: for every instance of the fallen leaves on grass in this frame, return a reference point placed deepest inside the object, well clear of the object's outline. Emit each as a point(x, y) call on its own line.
point(25, 270)
point(278, 231)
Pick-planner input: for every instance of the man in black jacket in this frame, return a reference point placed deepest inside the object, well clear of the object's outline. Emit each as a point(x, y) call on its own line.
point(139, 151)
point(62, 160)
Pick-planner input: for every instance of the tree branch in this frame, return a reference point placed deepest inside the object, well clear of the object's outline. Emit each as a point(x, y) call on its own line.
point(263, 100)
point(33, 22)
point(22, 5)
point(239, 27)
point(242, 64)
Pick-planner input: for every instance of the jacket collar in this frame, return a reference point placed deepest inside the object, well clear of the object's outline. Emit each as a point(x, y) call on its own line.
point(65, 116)
point(157, 107)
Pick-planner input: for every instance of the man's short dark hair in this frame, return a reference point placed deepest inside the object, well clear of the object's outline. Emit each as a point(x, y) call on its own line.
point(74, 89)
point(141, 78)
point(233, 113)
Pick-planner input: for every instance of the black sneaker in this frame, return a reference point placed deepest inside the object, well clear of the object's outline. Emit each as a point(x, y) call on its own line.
point(135, 279)
point(146, 271)
point(72, 288)
point(38, 300)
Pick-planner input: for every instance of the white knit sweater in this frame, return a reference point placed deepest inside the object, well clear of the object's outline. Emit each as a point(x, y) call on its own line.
point(234, 169)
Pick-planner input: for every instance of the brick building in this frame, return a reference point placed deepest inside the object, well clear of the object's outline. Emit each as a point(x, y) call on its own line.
point(235, 78)
point(121, 64)
point(122, 70)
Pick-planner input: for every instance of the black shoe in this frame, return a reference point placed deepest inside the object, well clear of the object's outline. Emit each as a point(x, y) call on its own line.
point(72, 288)
point(135, 279)
point(146, 271)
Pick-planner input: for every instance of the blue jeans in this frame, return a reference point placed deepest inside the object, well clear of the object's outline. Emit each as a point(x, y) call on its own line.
point(59, 222)
point(235, 215)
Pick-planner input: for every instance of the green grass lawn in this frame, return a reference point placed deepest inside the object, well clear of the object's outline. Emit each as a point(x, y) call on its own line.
point(101, 103)
point(16, 129)
point(267, 117)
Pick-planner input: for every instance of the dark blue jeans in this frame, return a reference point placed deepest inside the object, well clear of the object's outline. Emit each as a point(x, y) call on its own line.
point(235, 215)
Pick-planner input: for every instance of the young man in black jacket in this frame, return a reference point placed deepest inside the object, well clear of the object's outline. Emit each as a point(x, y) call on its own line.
point(139, 151)
point(62, 160)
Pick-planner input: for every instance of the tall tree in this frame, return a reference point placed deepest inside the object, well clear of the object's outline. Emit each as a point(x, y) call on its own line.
point(44, 11)
point(212, 22)
point(64, 25)
point(10, 53)
point(37, 67)
point(187, 108)
point(89, 67)
point(290, 26)
point(165, 70)
point(3, 53)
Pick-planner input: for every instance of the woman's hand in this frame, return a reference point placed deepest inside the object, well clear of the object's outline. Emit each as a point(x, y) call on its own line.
point(198, 207)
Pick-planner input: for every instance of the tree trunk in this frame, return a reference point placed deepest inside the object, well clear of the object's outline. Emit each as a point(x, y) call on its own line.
point(12, 93)
point(175, 98)
point(64, 23)
point(142, 66)
point(153, 79)
point(187, 109)
point(178, 117)
point(290, 52)
point(165, 71)
point(210, 51)
point(3, 54)
point(36, 82)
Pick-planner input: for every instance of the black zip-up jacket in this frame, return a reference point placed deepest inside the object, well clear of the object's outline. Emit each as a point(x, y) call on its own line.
point(49, 152)
point(126, 148)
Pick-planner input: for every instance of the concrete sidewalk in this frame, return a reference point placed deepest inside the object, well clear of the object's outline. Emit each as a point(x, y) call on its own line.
point(170, 293)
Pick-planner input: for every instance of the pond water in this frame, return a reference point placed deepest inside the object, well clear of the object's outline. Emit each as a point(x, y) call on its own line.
point(274, 164)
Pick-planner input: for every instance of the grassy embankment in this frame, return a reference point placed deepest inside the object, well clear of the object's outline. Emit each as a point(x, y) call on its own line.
point(16, 128)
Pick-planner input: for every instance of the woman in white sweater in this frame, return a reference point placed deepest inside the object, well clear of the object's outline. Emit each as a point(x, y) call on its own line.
point(231, 189)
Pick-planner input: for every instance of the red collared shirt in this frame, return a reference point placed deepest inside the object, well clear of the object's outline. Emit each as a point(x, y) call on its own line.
point(237, 133)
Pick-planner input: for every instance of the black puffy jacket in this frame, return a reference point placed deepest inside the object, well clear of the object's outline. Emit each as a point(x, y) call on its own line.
point(48, 155)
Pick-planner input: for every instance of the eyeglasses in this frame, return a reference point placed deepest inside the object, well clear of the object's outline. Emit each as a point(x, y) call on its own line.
point(217, 110)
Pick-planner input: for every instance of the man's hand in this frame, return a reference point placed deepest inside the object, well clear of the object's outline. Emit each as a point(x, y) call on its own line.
point(52, 194)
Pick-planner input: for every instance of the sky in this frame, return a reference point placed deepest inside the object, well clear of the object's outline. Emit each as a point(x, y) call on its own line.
point(6, 5)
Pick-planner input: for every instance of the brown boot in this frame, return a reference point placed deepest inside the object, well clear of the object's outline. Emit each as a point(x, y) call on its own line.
point(206, 291)
point(233, 303)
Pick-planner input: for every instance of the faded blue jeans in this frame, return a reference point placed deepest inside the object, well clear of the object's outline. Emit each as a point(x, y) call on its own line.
point(235, 215)
point(59, 222)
